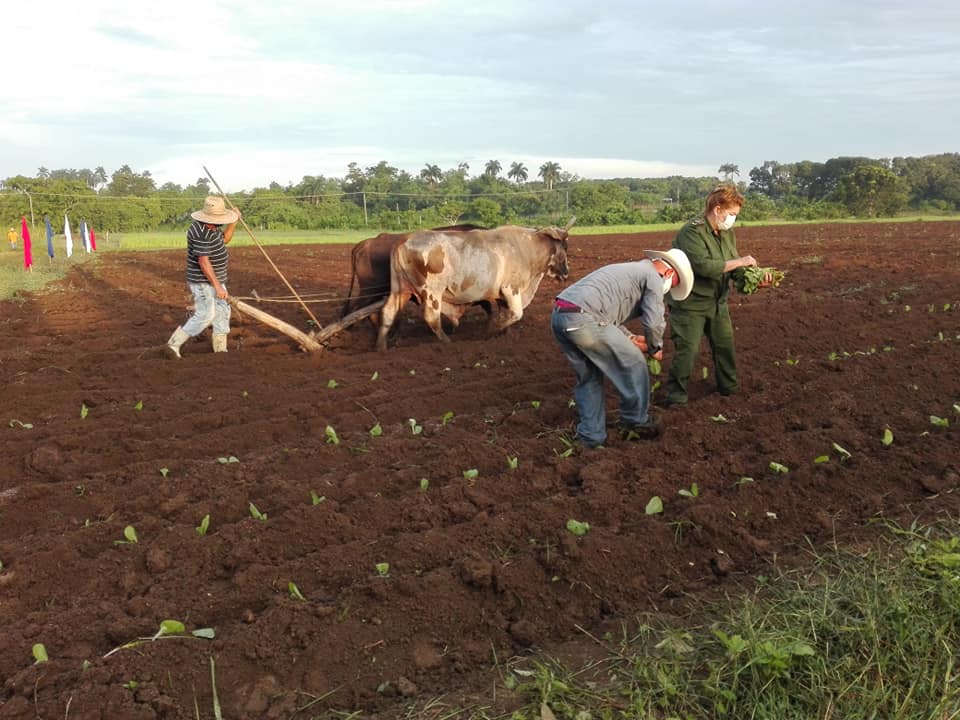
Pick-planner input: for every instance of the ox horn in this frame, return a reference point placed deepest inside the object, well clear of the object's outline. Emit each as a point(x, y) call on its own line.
point(571, 222)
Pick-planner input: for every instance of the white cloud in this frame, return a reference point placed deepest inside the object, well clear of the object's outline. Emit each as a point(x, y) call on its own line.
point(604, 87)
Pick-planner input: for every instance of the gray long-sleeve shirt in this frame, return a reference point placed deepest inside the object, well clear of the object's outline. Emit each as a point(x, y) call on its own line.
point(621, 292)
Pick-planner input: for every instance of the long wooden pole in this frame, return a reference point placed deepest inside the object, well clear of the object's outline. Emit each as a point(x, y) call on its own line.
point(257, 243)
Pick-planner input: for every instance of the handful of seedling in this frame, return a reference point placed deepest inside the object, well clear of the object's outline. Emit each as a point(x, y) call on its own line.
point(749, 281)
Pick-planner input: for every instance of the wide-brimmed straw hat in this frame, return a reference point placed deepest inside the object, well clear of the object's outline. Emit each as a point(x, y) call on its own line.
point(677, 259)
point(215, 212)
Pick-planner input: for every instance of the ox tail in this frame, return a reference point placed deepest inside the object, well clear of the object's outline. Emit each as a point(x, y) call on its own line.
point(348, 304)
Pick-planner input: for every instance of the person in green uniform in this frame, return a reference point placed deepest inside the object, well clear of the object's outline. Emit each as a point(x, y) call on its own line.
point(711, 246)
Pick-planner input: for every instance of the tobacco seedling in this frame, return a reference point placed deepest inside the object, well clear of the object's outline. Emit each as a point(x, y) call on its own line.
point(743, 480)
point(939, 421)
point(130, 536)
point(820, 459)
point(331, 435)
point(653, 365)
point(164, 471)
point(39, 654)
point(654, 506)
point(17, 423)
point(513, 462)
point(471, 473)
point(383, 569)
point(447, 417)
point(139, 405)
point(887, 439)
point(376, 430)
point(535, 404)
point(294, 591)
point(693, 492)
point(256, 514)
point(705, 373)
point(316, 499)
point(203, 526)
point(414, 427)
point(376, 374)
point(570, 448)
point(844, 454)
point(168, 630)
point(719, 418)
point(778, 468)
point(331, 383)
point(84, 410)
point(227, 460)
point(956, 408)
point(578, 528)
point(424, 484)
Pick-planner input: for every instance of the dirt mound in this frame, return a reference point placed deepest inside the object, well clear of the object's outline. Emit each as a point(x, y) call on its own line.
point(419, 554)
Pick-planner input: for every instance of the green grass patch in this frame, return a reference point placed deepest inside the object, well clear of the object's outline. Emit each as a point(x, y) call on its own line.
point(15, 280)
point(854, 635)
point(174, 239)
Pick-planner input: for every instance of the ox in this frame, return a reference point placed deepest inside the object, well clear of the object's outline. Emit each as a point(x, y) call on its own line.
point(370, 267)
point(448, 271)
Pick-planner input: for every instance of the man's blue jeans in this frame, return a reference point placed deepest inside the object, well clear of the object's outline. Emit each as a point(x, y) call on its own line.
point(207, 309)
point(596, 350)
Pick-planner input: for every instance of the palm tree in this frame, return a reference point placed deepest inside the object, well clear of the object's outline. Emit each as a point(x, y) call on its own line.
point(517, 172)
point(728, 169)
point(432, 174)
point(492, 168)
point(550, 172)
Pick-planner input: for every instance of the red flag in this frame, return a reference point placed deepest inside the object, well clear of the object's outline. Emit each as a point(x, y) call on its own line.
point(27, 250)
point(93, 239)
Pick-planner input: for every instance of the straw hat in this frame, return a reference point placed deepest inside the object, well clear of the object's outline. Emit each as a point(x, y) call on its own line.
point(677, 259)
point(215, 212)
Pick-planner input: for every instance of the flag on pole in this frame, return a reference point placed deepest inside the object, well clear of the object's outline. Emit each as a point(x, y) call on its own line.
point(85, 235)
point(27, 249)
point(93, 239)
point(46, 219)
point(69, 236)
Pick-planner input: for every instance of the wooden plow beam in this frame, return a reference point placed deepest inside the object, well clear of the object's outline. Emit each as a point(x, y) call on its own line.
point(309, 342)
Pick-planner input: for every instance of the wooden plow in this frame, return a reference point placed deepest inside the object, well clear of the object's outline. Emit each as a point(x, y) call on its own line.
point(315, 339)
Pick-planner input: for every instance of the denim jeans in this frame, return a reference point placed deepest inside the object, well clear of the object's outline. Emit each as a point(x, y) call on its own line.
point(597, 350)
point(207, 309)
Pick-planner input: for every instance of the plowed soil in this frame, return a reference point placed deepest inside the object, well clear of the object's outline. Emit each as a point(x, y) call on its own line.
point(99, 432)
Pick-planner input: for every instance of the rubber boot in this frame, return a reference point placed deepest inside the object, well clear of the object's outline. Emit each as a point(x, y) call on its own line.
point(219, 342)
point(175, 342)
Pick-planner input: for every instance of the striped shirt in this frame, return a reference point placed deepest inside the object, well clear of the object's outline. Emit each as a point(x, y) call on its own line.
point(205, 241)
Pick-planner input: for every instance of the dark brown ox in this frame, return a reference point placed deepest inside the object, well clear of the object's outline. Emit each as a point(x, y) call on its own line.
point(448, 271)
point(370, 267)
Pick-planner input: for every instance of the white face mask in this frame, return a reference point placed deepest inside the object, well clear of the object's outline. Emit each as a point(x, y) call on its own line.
point(667, 284)
point(727, 222)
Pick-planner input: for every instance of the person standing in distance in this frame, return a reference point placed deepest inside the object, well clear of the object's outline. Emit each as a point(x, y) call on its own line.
point(588, 322)
point(711, 246)
point(207, 239)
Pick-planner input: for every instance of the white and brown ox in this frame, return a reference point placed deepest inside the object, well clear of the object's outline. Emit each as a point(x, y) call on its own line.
point(447, 272)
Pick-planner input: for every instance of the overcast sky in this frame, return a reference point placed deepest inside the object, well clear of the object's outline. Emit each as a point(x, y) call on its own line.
point(272, 90)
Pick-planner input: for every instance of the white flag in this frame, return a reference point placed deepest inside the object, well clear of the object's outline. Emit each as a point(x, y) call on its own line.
point(86, 235)
point(66, 231)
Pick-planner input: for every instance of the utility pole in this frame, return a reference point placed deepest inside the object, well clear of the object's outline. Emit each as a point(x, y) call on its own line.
point(365, 222)
point(30, 198)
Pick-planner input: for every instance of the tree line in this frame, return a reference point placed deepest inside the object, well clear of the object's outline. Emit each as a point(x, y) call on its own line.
point(384, 197)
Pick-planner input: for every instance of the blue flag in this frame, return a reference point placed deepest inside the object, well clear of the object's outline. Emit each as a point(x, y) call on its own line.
point(46, 219)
